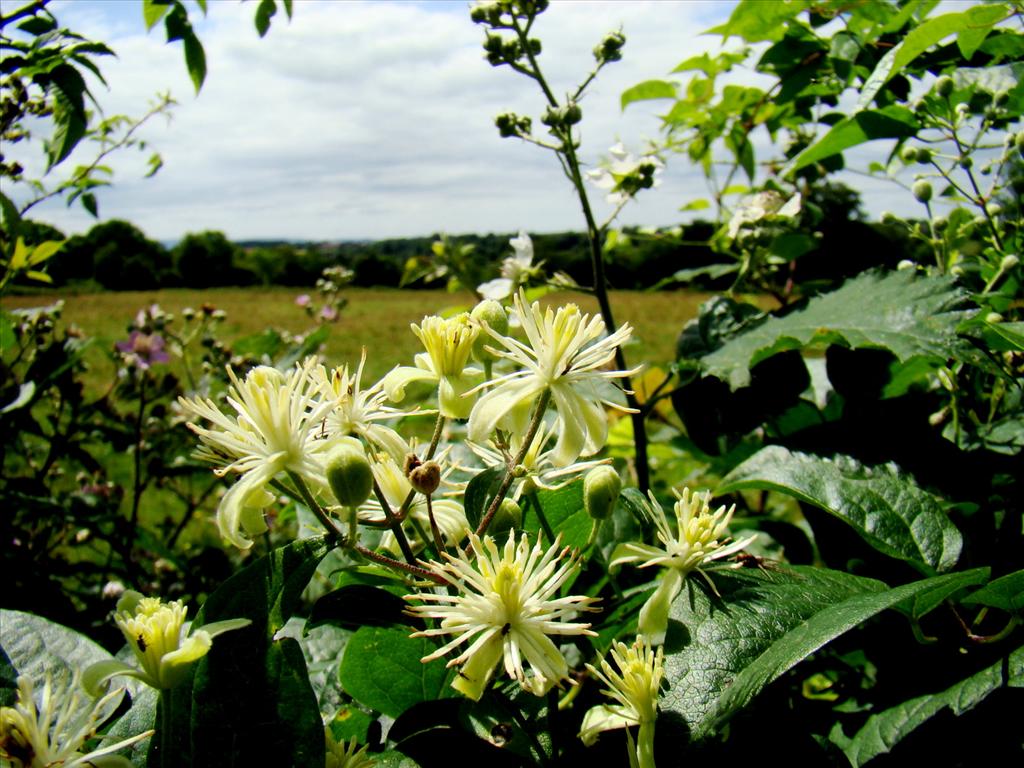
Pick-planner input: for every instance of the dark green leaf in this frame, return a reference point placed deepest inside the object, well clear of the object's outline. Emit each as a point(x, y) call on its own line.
point(264, 12)
point(1005, 593)
point(721, 652)
point(89, 203)
point(883, 504)
point(928, 600)
point(249, 700)
point(887, 123)
point(647, 90)
point(38, 25)
point(911, 316)
point(195, 59)
point(479, 492)
point(382, 670)
point(139, 718)
point(886, 729)
point(358, 605)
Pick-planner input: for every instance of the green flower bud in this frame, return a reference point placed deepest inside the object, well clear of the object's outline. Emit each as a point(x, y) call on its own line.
point(939, 223)
point(491, 314)
point(573, 113)
point(508, 517)
point(601, 489)
point(610, 48)
point(924, 155)
point(944, 86)
point(994, 209)
point(966, 162)
point(922, 191)
point(348, 472)
point(908, 155)
point(994, 318)
point(889, 218)
point(1009, 262)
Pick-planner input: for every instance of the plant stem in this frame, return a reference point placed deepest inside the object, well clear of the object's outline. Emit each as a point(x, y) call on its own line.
point(506, 482)
point(594, 235)
point(394, 524)
point(315, 508)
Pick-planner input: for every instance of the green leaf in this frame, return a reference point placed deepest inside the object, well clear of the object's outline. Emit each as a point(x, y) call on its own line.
point(249, 700)
point(382, 670)
point(910, 316)
point(991, 80)
point(886, 729)
point(562, 511)
point(264, 12)
point(756, 20)
point(883, 504)
point(720, 653)
point(648, 90)
point(479, 492)
point(153, 11)
point(195, 59)
point(90, 204)
point(37, 648)
point(1005, 593)
point(357, 605)
point(886, 123)
point(140, 717)
point(923, 37)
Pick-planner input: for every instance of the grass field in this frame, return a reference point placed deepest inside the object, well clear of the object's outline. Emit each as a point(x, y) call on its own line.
point(377, 318)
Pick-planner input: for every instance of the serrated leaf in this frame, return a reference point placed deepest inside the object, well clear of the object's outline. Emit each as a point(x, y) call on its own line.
point(887, 123)
point(720, 653)
point(648, 90)
point(883, 731)
point(910, 316)
point(382, 670)
point(883, 504)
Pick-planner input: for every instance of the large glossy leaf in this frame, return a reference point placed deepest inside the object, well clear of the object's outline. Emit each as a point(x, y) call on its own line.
point(883, 504)
point(890, 122)
point(562, 512)
point(883, 731)
point(720, 652)
point(249, 701)
point(910, 316)
point(382, 670)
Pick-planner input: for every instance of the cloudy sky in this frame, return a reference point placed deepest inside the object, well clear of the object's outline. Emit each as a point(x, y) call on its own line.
point(375, 119)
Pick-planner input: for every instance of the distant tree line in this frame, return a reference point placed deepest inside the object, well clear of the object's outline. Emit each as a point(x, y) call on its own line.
point(116, 255)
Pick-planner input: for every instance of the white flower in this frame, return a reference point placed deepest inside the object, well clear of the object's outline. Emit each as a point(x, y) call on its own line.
point(395, 487)
point(624, 174)
point(633, 682)
point(762, 205)
point(506, 607)
point(358, 411)
point(153, 630)
point(448, 344)
point(566, 354)
point(274, 430)
point(700, 539)
point(54, 731)
point(515, 270)
point(539, 469)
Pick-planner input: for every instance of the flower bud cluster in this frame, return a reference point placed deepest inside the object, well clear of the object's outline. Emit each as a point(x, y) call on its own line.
point(510, 124)
point(562, 116)
point(610, 48)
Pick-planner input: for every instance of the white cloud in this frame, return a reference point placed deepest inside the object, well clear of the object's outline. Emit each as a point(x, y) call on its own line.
point(374, 119)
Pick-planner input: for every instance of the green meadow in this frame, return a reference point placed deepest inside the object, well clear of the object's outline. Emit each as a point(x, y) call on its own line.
point(375, 318)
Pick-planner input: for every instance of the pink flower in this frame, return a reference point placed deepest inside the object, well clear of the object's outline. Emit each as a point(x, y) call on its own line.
point(143, 349)
point(303, 300)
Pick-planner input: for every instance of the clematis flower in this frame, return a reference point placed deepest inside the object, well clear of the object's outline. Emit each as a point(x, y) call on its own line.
point(153, 630)
point(345, 754)
point(760, 206)
point(633, 682)
point(54, 731)
point(143, 349)
point(358, 411)
point(274, 429)
point(505, 610)
point(700, 539)
point(515, 270)
point(449, 514)
point(624, 174)
point(539, 469)
point(566, 355)
point(449, 344)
